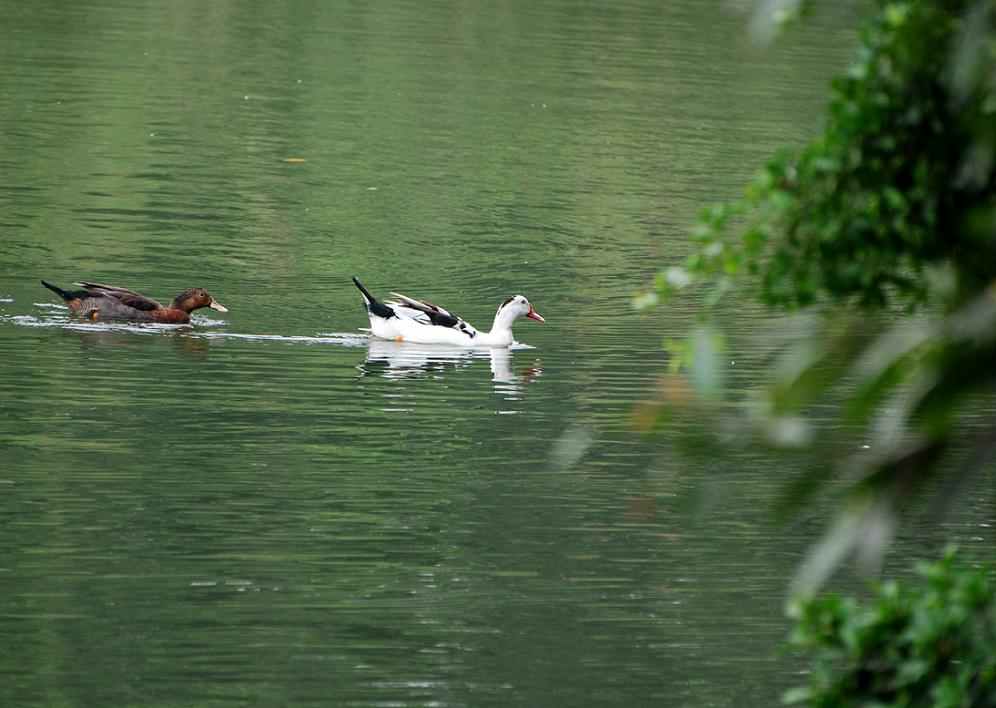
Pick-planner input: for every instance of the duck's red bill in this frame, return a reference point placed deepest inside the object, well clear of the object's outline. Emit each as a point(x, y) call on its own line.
point(534, 316)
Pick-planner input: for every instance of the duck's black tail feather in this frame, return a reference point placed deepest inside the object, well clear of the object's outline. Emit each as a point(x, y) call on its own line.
point(58, 291)
point(55, 289)
point(374, 305)
point(67, 295)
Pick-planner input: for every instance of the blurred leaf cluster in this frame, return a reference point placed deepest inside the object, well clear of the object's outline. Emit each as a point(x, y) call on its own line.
point(883, 227)
point(931, 645)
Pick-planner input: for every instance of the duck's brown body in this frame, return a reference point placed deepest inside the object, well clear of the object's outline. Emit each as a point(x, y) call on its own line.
point(108, 302)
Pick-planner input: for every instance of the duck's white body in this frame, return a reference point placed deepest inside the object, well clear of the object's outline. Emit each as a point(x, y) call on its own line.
point(408, 320)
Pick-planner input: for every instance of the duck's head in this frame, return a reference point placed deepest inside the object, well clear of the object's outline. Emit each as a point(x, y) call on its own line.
point(195, 298)
point(515, 307)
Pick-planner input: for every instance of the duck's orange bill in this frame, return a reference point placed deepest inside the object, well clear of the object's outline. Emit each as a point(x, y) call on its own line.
point(533, 315)
point(215, 305)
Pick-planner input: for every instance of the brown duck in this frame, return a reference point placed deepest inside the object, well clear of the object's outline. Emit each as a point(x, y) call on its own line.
point(96, 301)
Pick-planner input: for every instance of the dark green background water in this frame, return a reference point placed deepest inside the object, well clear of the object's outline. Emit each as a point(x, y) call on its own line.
point(267, 507)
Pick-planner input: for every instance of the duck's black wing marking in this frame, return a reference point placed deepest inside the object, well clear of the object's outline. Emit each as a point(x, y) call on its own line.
point(437, 315)
point(140, 303)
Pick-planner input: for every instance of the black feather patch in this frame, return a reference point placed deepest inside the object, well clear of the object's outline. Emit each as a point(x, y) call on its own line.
point(140, 304)
point(374, 306)
point(438, 318)
point(380, 309)
point(67, 295)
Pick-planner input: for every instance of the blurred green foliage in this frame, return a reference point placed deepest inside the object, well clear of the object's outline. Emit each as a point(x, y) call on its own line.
point(885, 226)
point(897, 192)
point(930, 645)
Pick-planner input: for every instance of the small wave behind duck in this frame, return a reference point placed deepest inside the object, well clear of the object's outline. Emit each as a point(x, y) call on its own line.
point(71, 323)
point(344, 339)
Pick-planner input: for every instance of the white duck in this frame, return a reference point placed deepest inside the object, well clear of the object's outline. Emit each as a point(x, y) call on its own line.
point(408, 320)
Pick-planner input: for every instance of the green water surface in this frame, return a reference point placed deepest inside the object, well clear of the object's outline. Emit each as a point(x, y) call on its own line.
point(269, 508)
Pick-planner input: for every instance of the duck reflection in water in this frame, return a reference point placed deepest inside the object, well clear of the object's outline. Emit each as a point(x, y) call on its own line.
point(394, 360)
point(125, 337)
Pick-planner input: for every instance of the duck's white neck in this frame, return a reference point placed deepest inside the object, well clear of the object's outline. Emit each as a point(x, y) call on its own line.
point(501, 328)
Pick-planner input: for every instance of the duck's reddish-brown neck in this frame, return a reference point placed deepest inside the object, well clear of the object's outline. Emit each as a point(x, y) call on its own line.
point(173, 315)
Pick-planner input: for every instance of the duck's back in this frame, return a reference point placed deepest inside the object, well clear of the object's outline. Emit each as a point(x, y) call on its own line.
point(109, 307)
